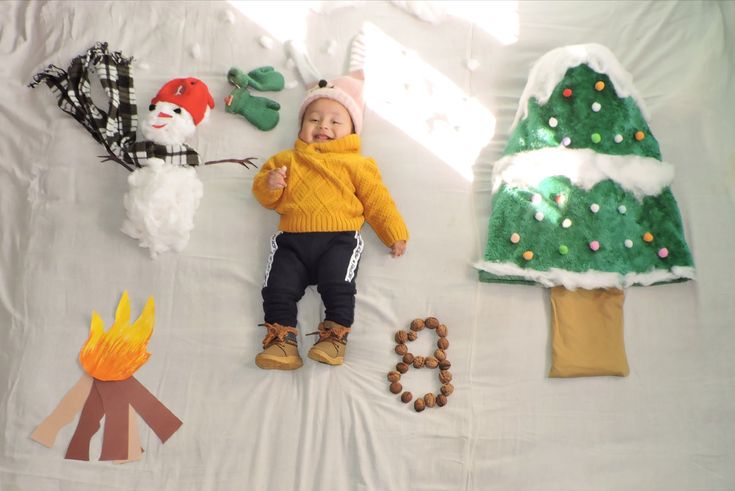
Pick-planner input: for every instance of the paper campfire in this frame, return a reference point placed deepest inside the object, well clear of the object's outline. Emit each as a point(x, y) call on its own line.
point(108, 389)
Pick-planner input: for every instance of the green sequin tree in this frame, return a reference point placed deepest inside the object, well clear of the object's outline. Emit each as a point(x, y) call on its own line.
point(581, 195)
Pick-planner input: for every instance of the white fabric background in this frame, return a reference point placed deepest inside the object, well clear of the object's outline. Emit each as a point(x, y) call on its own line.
point(667, 426)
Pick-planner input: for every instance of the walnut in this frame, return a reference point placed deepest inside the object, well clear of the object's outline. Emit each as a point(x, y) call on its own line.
point(431, 362)
point(443, 343)
point(408, 358)
point(417, 324)
point(406, 397)
point(447, 389)
point(445, 376)
point(401, 337)
point(396, 387)
point(440, 355)
point(394, 376)
point(419, 405)
point(401, 349)
point(441, 400)
point(429, 400)
point(418, 361)
point(431, 322)
point(411, 335)
point(402, 367)
point(441, 331)
point(444, 365)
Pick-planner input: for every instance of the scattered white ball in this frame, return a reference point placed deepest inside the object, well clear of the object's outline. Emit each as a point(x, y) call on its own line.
point(594, 207)
point(596, 107)
point(536, 199)
point(566, 141)
point(566, 223)
point(618, 138)
point(472, 64)
point(331, 47)
point(266, 42)
point(622, 209)
point(228, 16)
point(538, 216)
point(196, 51)
point(553, 122)
point(628, 243)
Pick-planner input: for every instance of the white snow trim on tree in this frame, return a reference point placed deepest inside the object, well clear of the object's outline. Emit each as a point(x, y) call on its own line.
point(588, 280)
point(642, 176)
point(161, 202)
point(549, 70)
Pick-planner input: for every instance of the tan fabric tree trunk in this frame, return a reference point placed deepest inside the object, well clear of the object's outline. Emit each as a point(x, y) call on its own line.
point(587, 333)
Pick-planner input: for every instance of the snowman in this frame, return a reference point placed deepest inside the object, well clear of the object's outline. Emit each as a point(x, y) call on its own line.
point(164, 193)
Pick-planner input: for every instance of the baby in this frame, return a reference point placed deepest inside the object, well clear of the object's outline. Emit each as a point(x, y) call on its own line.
point(324, 189)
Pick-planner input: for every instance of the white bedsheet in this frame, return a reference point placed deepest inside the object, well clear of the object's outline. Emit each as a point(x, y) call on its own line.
point(667, 426)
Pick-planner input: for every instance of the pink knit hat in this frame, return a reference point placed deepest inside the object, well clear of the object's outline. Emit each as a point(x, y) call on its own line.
point(346, 90)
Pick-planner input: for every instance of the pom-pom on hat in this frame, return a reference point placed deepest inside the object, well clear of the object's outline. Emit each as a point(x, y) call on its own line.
point(190, 93)
point(346, 90)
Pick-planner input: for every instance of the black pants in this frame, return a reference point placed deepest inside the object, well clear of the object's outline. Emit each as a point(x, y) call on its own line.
point(297, 260)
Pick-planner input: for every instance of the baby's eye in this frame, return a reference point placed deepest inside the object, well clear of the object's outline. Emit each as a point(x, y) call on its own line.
point(336, 122)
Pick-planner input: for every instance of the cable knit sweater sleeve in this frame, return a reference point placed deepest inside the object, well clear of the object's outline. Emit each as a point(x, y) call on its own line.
point(380, 209)
point(267, 197)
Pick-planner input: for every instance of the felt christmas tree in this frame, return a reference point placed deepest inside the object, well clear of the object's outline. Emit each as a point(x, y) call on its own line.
point(582, 204)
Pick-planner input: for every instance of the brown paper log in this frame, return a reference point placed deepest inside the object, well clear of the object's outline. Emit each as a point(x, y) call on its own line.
point(161, 420)
point(72, 402)
point(135, 451)
point(115, 404)
point(89, 423)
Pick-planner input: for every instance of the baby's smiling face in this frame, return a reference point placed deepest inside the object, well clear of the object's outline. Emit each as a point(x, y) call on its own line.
point(324, 120)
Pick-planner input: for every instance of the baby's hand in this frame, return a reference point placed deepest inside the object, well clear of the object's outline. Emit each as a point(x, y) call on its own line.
point(277, 178)
point(398, 248)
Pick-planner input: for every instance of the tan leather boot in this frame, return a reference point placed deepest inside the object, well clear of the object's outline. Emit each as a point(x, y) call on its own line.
point(331, 345)
point(279, 352)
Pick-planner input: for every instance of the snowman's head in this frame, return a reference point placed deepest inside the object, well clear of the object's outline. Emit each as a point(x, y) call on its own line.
point(175, 112)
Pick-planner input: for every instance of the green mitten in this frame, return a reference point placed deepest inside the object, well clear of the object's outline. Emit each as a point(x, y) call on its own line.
point(260, 111)
point(264, 78)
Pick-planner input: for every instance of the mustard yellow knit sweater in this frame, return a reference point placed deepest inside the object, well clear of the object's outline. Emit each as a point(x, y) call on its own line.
point(330, 187)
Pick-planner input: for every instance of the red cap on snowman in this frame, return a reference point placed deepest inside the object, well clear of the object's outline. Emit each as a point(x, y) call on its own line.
point(189, 93)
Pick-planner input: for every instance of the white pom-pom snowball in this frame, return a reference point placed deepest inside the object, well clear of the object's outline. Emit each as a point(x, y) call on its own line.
point(266, 42)
point(228, 16)
point(331, 48)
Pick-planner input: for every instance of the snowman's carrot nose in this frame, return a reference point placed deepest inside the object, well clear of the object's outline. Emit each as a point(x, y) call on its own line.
point(164, 115)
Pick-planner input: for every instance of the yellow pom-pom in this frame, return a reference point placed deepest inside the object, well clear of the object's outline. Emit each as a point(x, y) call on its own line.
point(648, 237)
point(600, 85)
point(639, 135)
point(528, 255)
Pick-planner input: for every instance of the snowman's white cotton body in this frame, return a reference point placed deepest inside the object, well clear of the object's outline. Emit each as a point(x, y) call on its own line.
point(161, 202)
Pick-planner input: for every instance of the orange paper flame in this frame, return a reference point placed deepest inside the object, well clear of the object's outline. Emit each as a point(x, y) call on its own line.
point(119, 352)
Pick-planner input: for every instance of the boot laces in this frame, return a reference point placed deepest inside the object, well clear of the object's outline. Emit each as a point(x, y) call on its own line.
point(334, 334)
point(277, 333)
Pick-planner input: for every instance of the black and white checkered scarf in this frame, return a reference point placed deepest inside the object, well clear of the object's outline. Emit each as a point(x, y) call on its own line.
point(115, 128)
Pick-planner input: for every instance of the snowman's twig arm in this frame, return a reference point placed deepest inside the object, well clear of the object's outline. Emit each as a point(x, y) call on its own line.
point(244, 162)
point(112, 157)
